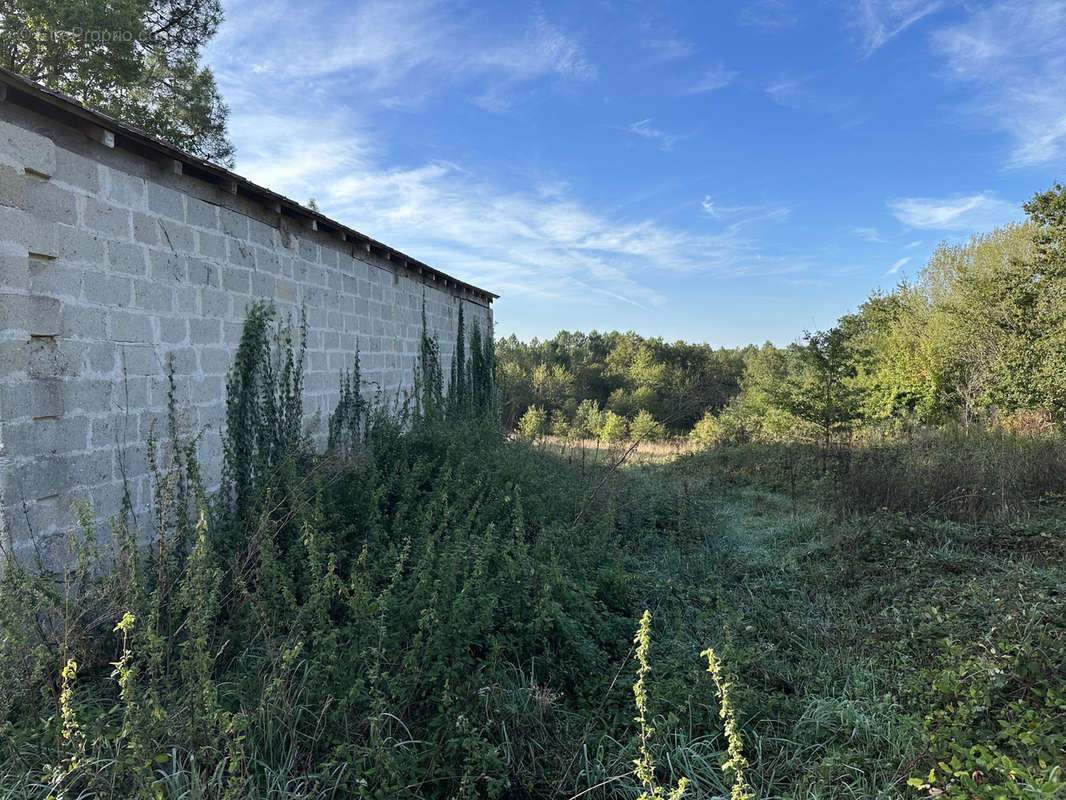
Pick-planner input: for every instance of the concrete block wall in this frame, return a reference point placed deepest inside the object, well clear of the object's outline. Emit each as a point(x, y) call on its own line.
point(111, 264)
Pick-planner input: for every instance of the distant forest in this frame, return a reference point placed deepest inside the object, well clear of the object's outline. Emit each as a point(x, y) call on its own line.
point(979, 337)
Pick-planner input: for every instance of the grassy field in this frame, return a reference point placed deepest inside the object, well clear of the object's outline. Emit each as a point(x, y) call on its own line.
point(448, 614)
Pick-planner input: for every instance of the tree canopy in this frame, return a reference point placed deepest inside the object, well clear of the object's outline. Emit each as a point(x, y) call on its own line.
point(136, 60)
point(979, 335)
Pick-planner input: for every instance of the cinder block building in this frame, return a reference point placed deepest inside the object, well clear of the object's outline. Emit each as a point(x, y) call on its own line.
point(118, 253)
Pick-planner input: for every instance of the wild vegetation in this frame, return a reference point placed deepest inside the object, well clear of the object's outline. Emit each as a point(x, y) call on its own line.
point(872, 606)
point(976, 341)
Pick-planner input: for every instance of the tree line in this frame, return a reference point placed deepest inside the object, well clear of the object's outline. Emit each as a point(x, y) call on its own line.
point(978, 338)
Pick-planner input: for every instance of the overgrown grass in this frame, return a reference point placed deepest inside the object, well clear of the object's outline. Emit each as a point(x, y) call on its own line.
point(431, 610)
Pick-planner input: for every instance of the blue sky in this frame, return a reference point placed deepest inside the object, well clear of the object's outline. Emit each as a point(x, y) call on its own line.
point(719, 172)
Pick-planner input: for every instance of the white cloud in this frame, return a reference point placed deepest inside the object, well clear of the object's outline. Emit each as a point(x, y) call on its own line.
point(878, 21)
point(972, 213)
point(912, 245)
point(401, 53)
point(666, 141)
point(868, 234)
point(1012, 54)
point(744, 215)
point(898, 265)
point(531, 242)
point(671, 48)
point(718, 76)
point(767, 14)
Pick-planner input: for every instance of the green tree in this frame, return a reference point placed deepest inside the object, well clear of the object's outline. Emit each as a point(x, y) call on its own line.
point(588, 419)
point(533, 423)
point(645, 427)
point(706, 432)
point(615, 428)
point(136, 60)
point(552, 384)
point(819, 390)
point(1031, 316)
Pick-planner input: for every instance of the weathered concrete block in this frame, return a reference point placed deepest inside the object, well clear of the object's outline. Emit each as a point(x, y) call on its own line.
point(173, 330)
point(89, 396)
point(32, 399)
point(139, 359)
point(214, 303)
point(35, 234)
point(109, 290)
point(262, 234)
point(234, 224)
point(14, 269)
point(111, 221)
point(235, 279)
point(130, 327)
point(205, 331)
point(152, 296)
point(12, 186)
point(79, 246)
point(47, 436)
point(43, 316)
point(130, 259)
point(34, 314)
point(201, 214)
point(203, 273)
point(102, 358)
point(43, 477)
point(240, 253)
point(211, 245)
point(84, 322)
point(146, 229)
point(166, 202)
point(23, 148)
point(76, 170)
point(215, 360)
point(126, 190)
point(263, 285)
point(184, 360)
point(176, 237)
point(49, 201)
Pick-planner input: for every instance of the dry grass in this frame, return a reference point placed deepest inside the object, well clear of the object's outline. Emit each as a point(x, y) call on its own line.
point(594, 451)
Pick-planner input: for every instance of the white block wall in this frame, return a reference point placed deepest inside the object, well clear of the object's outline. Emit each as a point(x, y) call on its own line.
point(110, 264)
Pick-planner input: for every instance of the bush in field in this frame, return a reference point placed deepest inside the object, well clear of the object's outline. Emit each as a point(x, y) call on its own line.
point(615, 428)
point(645, 428)
point(707, 432)
point(534, 423)
point(588, 420)
point(560, 426)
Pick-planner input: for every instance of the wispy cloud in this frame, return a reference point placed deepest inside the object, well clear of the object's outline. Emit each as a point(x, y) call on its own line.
point(768, 14)
point(1012, 53)
point(718, 76)
point(670, 47)
point(534, 242)
point(912, 245)
point(666, 141)
point(970, 213)
point(900, 264)
point(876, 22)
point(742, 215)
point(401, 53)
point(868, 234)
point(790, 90)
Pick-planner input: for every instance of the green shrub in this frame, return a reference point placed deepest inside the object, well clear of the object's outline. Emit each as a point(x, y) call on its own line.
point(707, 432)
point(645, 428)
point(534, 423)
point(615, 428)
